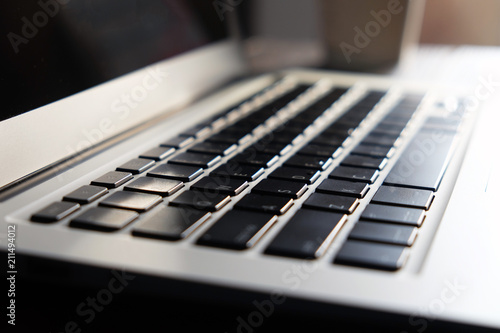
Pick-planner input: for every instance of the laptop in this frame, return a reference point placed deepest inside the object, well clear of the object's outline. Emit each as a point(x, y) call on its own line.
point(137, 153)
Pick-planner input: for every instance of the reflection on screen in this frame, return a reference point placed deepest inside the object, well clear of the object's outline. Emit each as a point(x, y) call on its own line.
point(56, 50)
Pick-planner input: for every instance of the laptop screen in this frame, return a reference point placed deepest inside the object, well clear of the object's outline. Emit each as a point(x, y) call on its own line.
point(56, 48)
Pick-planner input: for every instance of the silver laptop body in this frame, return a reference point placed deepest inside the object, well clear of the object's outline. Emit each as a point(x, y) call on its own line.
point(448, 271)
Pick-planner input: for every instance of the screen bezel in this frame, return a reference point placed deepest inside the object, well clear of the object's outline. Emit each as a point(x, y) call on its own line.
point(40, 138)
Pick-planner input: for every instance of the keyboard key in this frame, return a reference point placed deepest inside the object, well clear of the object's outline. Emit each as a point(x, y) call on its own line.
point(104, 219)
point(55, 212)
point(281, 188)
point(423, 163)
point(230, 136)
point(238, 230)
point(170, 223)
point(373, 151)
point(334, 203)
point(343, 187)
point(391, 129)
point(197, 131)
point(385, 140)
point(328, 139)
point(372, 255)
point(223, 185)
point(320, 150)
point(284, 136)
point(204, 201)
point(178, 142)
point(307, 235)
point(152, 185)
point(272, 147)
point(158, 153)
point(391, 214)
point(194, 159)
point(401, 196)
point(213, 148)
point(137, 165)
point(265, 203)
point(113, 179)
point(133, 201)
point(354, 174)
point(86, 194)
point(253, 157)
point(365, 162)
point(179, 172)
point(311, 162)
point(238, 171)
point(307, 176)
point(384, 233)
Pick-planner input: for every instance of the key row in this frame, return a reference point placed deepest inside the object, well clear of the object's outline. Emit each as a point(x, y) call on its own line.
point(388, 226)
point(184, 167)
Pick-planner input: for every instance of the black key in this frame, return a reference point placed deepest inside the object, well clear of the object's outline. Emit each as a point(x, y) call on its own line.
point(265, 203)
point(391, 214)
point(384, 233)
point(86, 194)
point(391, 129)
point(133, 201)
point(213, 148)
point(355, 174)
point(158, 153)
point(320, 150)
point(284, 136)
point(137, 165)
point(272, 147)
point(152, 185)
point(281, 188)
point(386, 140)
point(223, 185)
point(307, 176)
point(200, 200)
point(247, 124)
point(372, 255)
point(401, 196)
point(196, 131)
point(253, 157)
point(343, 187)
point(329, 140)
point(283, 100)
point(310, 162)
point(55, 212)
point(194, 159)
point(179, 172)
point(227, 136)
point(365, 162)
point(238, 171)
point(342, 129)
point(424, 161)
point(104, 219)
point(238, 230)
point(113, 179)
point(170, 223)
point(331, 202)
point(178, 142)
point(307, 235)
point(373, 151)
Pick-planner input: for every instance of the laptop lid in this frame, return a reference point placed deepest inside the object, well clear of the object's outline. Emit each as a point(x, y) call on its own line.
point(78, 73)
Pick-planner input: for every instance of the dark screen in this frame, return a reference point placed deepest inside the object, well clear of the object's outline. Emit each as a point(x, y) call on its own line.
point(55, 48)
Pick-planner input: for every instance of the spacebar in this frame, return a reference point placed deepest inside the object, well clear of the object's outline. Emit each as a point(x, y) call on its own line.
point(423, 163)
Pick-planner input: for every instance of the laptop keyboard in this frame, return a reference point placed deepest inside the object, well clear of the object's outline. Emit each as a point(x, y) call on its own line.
point(138, 192)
